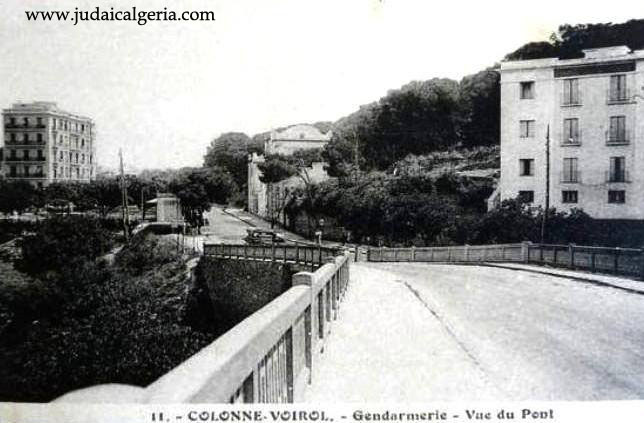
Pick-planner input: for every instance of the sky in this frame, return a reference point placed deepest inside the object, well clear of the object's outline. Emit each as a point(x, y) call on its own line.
point(163, 91)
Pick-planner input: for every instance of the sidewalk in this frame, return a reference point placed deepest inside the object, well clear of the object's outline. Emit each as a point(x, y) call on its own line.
point(387, 346)
point(622, 283)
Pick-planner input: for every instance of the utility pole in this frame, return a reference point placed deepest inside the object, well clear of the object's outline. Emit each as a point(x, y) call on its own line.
point(544, 217)
point(124, 205)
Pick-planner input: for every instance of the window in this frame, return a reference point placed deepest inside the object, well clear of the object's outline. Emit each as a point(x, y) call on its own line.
point(13, 137)
point(569, 196)
point(526, 128)
point(617, 131)
point(571, 131)
point(617, 172)
point(39, 137)
point(526, 167)
point(570, 172)
point(571, 92)
point(527, 90)
point(12, 171)
point(12, 121)
point(25, 154)
point(39, 121)
point(526, 196)
point(617, 197)
point(618, 90)
point(25, 121)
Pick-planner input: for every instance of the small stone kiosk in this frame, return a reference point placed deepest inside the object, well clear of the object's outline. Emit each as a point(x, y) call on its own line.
point(168, 208)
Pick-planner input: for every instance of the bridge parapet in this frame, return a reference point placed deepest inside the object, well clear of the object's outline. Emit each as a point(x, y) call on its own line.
point(307, 255)
point(619, 261)
point(269, 356)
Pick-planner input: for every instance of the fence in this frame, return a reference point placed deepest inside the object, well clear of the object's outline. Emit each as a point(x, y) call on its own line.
point(314, 256)
point(268, 357)
point(619, 261)
point(452, 254)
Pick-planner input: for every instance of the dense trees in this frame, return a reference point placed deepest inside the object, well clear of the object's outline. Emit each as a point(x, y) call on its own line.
point(417, 119)
point(198, 188)
point(569, 40)
point(229, 153)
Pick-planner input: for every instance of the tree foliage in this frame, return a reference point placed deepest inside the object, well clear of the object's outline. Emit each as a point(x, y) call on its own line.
point(569, 40)
point(198, 188)
point(61, 241)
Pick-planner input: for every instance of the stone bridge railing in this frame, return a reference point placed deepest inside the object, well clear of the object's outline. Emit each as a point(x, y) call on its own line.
point(269, 356)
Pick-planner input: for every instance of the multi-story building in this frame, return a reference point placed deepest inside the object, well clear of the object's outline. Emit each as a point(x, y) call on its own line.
point(43, 144)
point(590, 111)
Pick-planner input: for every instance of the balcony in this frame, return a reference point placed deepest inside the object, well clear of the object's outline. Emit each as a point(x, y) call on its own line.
point(22, 143)
point(570, 177)
point(617, 176)
point(570, 140)
point(23, 127)
point(25, 159)
point(39, 175)
point(618, 137)
point(572, 99)
point(623, 96)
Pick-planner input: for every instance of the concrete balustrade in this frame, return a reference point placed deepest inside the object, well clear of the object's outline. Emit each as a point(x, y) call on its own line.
point(451, 254)
point(269, 356)
point(620, 261)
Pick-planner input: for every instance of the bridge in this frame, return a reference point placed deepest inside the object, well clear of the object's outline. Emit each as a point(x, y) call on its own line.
point(419, 324)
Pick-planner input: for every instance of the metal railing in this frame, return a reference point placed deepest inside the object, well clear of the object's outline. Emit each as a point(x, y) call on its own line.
point(268, 357)
point(25, 159)
point(570, 177)
point(572, 99)
point(301, 254)
point(568, 139)
point(619, 96)
point(613, 176)
point(618, 137)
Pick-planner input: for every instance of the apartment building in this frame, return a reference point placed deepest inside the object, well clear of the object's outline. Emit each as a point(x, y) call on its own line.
point(590, 111)
point(43, 144)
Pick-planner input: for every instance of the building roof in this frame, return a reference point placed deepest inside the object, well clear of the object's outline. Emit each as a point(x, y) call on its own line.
point(42, 107)
point(594, 55)
point(301, 132)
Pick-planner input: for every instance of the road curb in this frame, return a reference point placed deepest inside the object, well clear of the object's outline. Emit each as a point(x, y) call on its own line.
point(559, 275)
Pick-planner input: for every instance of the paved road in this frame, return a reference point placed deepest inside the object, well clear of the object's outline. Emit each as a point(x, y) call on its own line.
point(223, 227)
point(533, 337)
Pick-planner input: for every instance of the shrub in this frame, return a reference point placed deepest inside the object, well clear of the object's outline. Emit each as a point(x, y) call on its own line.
point(62, 241)
point(146, 252)
point(115, 329)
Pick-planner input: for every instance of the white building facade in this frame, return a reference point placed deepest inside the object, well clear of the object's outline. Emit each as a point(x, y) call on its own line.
point(591, 112)
point(43, 144)
point(263, 199)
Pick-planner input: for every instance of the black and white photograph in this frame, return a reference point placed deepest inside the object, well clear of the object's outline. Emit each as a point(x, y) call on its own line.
point(360, 210)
